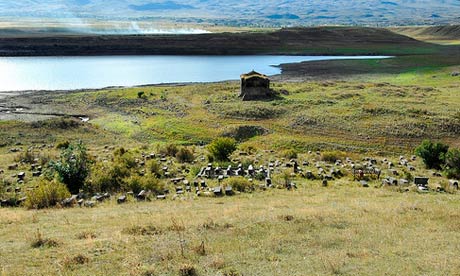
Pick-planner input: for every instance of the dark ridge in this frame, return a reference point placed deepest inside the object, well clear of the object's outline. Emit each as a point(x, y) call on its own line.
point(308, 41)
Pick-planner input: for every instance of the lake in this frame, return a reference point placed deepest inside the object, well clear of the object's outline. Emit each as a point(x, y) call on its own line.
point(65, 73)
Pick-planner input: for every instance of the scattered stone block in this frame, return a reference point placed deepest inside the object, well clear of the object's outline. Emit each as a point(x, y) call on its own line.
point(229, 191)
point(89, 204)
point(21, 175)
point(203, 184)
point(403, 182)
point(421, 181)
point(36, 174)
point(121, 199)
point(393, 181)
point(142, 195)
point(422, 188)
point(364, 183)
point(69, 202)
point(217, 191)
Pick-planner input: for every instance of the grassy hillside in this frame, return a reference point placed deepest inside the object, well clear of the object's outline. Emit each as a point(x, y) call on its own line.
point(305, 41)
point(380, 113)
point(448, 35)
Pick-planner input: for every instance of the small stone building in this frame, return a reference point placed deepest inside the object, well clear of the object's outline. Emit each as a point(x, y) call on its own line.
point(255, 86)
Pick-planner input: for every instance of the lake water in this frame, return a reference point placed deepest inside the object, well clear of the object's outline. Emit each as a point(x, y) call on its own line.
point(62, 73)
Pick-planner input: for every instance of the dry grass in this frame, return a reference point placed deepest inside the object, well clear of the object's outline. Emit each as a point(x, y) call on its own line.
point(312, 231)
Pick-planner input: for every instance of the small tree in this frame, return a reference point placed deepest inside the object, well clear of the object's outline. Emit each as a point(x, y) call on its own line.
point(452, 167)
point(221, 148)
point(72, 168)
point(432, 154)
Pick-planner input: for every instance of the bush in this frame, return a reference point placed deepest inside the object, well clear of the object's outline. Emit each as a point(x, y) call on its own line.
point(107, 177)
point(72, 168)
point(63, 145)
point(169, 150)
point(221, 148)
point(124, 158)
point(240, 184)
point(154, 167)
point(452, 166)
point(289, 154)
point(432, 154)
point(332, 156)
point(138, 183)
point(48, 194)
point(185, 155)
point(27, 157)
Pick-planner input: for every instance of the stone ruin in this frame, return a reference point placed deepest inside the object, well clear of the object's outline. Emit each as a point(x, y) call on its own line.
point(255, 86)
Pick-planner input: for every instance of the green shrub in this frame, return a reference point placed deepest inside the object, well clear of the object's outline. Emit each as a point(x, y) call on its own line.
point(137, 183)
point(48, 194)
point(151, 183)
point(72, 168)
point(194, 170)
point(58, 123)
point(107, 177)
point(184, 155)
point(124, 158)
point(154, 167)
point(432, 154)
point(27, 156)
point(63, 145)
point(332, 156)
point(169, 150)
point(289, 154)
point(221, 148)
point(240, 184)
point(452, 166)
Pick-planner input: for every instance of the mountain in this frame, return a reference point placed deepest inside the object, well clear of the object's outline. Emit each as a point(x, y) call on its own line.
point(243, 12)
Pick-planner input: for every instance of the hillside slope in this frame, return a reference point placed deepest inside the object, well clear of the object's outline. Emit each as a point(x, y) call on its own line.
point(447, 32)
point(313, 41)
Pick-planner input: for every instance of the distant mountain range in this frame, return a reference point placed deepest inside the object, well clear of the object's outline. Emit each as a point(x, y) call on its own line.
point(244, 12)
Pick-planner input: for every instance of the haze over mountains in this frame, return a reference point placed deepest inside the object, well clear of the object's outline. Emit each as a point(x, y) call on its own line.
point(243, 12)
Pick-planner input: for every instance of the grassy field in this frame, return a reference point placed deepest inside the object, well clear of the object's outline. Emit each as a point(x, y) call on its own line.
point(383, 111)
point(340, 230)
